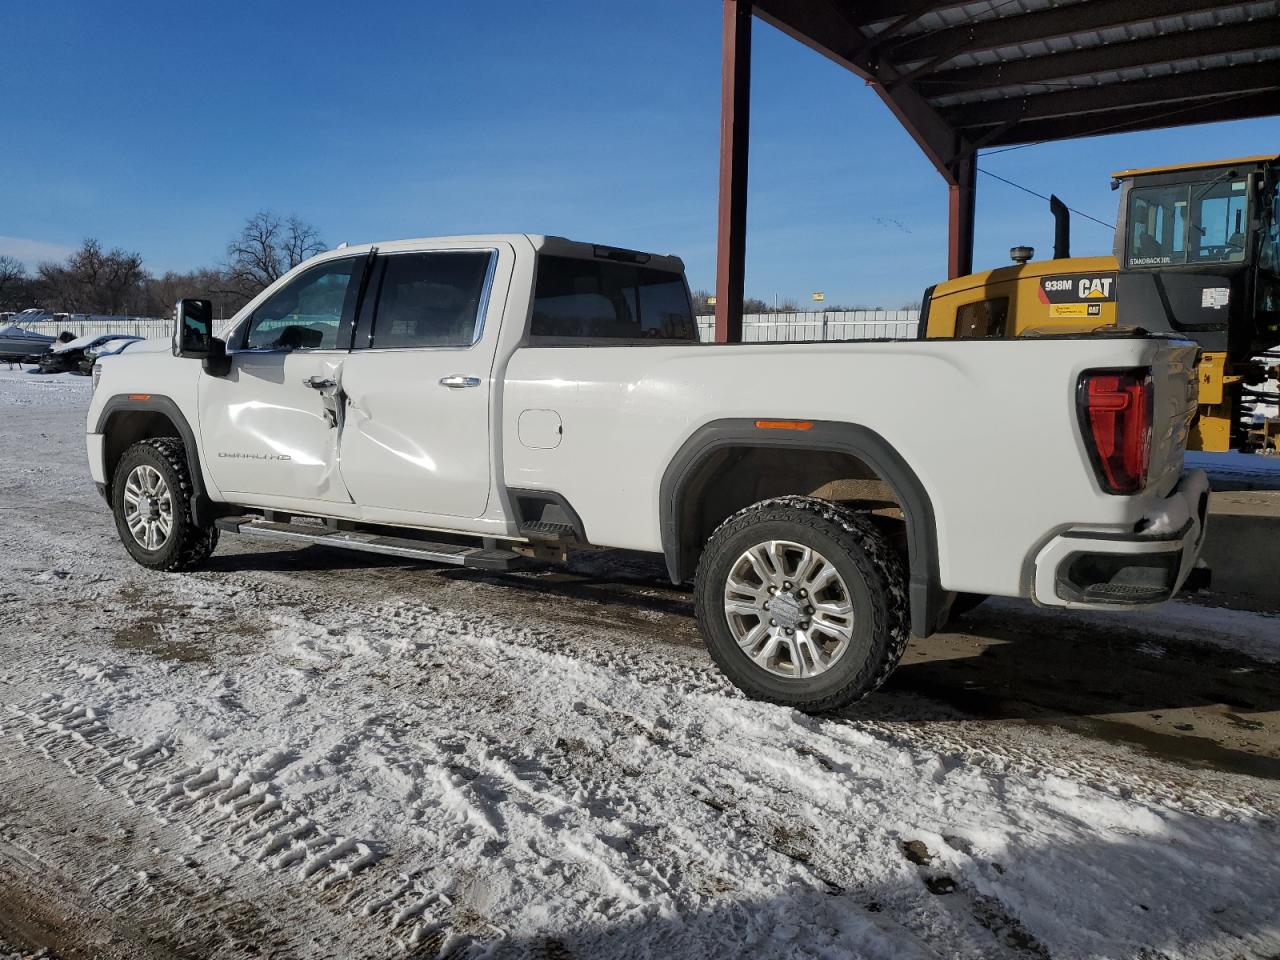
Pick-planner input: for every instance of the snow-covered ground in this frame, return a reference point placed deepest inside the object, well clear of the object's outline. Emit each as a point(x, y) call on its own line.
point(365, 759)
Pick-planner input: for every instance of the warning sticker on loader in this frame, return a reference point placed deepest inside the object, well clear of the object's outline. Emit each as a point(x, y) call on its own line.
point(1215, 298)
point(1059, 310)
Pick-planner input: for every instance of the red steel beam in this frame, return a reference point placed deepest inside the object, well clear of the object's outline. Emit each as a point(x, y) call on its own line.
point(735, 133)
point(961, 189)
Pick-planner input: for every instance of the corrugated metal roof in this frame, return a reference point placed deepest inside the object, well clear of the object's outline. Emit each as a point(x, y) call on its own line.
point(1147, 30)
point(1009, 71)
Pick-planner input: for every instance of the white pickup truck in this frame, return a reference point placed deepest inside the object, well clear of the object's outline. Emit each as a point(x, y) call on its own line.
point(475, 400)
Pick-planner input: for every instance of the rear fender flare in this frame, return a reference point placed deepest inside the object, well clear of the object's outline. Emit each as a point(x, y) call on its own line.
point(927, 598)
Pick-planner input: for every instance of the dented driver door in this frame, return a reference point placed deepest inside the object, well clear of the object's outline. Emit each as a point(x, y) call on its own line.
point(272, 426)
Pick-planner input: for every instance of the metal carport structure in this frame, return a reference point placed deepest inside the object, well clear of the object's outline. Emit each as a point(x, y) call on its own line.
point(962, 76)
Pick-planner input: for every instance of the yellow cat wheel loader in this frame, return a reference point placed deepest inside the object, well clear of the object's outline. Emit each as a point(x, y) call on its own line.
point(1197, 252)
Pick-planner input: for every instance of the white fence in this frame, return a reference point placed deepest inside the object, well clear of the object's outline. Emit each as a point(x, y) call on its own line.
point(844, 325)
point(135, 326)
point(756, 327)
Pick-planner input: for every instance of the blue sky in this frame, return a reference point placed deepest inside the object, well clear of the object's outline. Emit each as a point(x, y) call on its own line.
point(160, 127)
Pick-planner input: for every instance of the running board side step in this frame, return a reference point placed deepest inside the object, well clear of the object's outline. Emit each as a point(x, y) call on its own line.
point(459, 555)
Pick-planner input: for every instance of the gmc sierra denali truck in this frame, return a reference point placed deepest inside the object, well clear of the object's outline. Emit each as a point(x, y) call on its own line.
point(475, 400)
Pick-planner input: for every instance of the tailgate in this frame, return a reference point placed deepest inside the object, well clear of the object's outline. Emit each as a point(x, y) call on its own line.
point(1174, 379)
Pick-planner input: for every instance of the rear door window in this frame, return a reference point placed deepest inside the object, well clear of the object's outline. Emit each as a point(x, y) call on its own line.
point(429, 299)
point(605, 300)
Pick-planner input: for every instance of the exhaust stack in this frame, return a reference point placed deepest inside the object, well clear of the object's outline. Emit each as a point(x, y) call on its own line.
point(1061, 228)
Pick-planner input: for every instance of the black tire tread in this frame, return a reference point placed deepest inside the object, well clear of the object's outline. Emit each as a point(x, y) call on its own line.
point(196, 543)
point(886, 567)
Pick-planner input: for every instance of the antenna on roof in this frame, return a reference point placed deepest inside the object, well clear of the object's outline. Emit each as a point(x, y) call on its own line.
point(341, 246)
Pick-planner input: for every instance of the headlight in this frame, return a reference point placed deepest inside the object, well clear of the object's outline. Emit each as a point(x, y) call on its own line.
point(97, 374)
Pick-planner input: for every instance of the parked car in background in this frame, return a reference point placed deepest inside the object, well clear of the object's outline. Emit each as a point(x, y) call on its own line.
point(109, 349)
point(66, 357)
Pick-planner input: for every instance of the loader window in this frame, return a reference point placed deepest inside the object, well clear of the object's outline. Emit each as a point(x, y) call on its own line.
point(1157, 226)
point(984, 318)
point(1269, 255)
point(1202, 222)
point(1219, 224)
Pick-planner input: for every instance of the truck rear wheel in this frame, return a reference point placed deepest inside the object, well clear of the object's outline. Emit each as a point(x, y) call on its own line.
point(151, 500)
point(802, 602)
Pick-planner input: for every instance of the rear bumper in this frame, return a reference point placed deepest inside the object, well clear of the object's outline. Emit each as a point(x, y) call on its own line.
point(1099, 570)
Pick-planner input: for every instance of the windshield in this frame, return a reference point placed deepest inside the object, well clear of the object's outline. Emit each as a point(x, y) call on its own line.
point(1205, 221)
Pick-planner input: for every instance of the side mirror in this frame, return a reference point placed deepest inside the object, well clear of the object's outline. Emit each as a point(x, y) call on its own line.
point(193, 337)
point(192, 328)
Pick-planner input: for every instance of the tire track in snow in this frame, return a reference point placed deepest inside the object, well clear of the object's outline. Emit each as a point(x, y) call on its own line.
point(235, 805)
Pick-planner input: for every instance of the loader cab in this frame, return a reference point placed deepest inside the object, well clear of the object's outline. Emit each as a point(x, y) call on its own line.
point(1199, 253)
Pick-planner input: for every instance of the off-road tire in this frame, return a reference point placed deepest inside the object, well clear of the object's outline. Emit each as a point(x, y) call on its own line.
point(188, 545)
point(872, 570)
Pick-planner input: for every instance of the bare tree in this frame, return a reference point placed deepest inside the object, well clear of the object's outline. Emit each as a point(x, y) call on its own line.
point(207, 284)
point(268, 247)
point(120, 277)
point(12, 275)
point(301, 241)
point(91, 281)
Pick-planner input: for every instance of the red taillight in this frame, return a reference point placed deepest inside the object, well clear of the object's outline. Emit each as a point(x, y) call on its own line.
point(1115, 416)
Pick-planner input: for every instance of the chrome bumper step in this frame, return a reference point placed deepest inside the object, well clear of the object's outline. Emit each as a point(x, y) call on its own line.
point(458, 555)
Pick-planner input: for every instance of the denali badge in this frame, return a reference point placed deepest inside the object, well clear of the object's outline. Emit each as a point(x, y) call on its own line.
point(254, 456)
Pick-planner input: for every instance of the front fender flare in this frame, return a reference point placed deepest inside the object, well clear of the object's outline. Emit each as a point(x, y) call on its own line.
point(202, 508)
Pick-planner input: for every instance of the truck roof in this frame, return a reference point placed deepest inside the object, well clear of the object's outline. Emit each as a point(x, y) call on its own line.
point(542, 243)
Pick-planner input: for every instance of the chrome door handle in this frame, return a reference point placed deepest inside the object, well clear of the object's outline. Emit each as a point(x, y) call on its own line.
point(320, 383)
point(457, 380)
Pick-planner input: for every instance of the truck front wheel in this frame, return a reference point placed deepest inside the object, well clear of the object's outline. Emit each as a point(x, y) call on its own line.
point(151, 500)
point(802, 602)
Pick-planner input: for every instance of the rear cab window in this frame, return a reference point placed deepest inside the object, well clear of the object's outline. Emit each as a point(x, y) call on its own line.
point(577, 300)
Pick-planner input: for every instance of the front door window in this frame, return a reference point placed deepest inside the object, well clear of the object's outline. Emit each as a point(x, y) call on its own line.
point(310, 312)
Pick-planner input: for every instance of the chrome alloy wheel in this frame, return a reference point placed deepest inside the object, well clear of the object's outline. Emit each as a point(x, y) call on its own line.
point(789, 609)
point(148, 507)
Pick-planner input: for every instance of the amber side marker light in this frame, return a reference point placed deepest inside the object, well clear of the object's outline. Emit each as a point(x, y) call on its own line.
point(784, 424)
point(139, 396)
